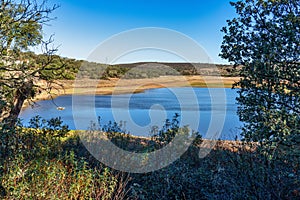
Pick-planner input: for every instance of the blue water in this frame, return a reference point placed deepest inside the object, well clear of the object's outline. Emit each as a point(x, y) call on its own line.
point(198, 107)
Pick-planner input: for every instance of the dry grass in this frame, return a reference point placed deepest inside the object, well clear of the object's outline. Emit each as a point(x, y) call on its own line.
point(121, 86)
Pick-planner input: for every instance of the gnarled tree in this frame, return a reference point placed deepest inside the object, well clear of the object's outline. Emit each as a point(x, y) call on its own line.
point(265, 39)
point(21, 29)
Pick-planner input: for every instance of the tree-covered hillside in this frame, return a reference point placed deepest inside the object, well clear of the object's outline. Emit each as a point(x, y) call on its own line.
point(135, 70)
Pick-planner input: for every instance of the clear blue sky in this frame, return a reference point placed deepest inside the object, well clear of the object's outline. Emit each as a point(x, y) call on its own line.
point(82, 24)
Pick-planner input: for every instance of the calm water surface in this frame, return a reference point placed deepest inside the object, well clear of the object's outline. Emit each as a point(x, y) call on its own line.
point(144, 109)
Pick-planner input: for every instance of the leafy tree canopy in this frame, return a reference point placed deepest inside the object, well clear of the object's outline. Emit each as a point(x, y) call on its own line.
point(264, 38)
point(21, 25)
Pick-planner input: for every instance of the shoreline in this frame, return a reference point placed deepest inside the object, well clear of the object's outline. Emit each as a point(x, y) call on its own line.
point(117, 86)
point(232, 145)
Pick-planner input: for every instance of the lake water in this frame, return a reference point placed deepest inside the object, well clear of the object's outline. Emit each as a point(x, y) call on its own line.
point(206, 110)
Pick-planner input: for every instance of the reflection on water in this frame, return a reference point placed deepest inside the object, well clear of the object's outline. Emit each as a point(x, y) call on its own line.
point(154, 104)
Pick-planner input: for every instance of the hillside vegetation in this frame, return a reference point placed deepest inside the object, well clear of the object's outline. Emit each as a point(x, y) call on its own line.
point(94, 70)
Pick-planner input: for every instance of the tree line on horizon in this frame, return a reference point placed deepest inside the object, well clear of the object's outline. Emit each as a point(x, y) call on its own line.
point(94, 70)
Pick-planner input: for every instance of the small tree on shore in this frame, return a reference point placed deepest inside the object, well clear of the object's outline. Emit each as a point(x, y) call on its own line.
point(265, 39)
point(21, 71)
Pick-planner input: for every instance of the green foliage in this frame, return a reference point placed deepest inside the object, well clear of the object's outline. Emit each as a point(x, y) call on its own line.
point(265, 39)
point(19, 28)
point(170, 129)
point(65, 177)
point(150, 70)
point(117, 133)
point(223, 174)
point(23, 74)
point(41, 138)
point(232, 170)
point(21, 25)
point(36, 164)
point(111, 127)
point(248, 173)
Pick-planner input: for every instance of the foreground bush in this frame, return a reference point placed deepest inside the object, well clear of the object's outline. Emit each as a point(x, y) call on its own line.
point(232, 170)
point(62, 168)
point(36, 165)
point(64, 177)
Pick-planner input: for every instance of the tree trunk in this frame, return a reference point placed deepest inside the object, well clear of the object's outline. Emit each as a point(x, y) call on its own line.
point(23, 93)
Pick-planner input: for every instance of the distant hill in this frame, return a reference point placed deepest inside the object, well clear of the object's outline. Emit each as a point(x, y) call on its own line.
point(192, 68)
point(155, 69)
point(93, 70)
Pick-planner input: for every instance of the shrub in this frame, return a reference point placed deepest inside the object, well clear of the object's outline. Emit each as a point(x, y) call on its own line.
point(65, 177)
point(37, 166)
point(170, 129)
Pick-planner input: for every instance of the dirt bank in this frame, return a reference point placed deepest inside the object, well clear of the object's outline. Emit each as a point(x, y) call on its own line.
point(121, 86)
